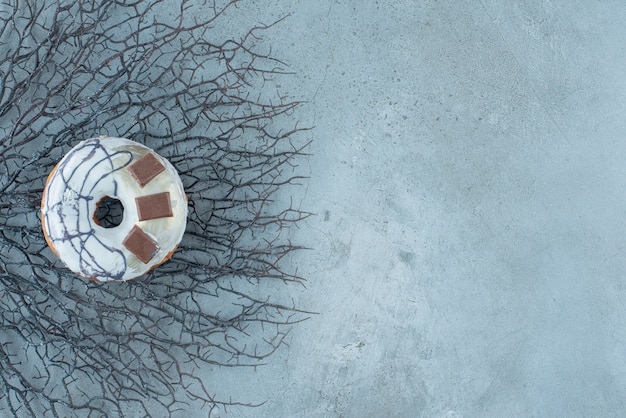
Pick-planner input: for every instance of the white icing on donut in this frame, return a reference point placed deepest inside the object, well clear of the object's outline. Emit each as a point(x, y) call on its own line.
point(92, 170)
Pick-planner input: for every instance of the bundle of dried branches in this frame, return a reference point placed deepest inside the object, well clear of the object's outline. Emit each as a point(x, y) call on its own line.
point(201, 97)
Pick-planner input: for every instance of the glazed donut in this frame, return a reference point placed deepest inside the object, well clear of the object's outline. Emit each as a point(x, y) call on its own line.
point(153, 200)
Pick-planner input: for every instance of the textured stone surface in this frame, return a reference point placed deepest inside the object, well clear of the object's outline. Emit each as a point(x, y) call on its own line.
point(468, 174)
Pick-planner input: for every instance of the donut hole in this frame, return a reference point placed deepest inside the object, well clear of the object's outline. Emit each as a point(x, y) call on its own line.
point(109, 212)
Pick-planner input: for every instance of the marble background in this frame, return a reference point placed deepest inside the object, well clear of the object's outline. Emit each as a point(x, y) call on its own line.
point(468, 252)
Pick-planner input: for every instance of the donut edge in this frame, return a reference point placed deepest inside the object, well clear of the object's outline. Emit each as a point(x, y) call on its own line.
point(41, 209)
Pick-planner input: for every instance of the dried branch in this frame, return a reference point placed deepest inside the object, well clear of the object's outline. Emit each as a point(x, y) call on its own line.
point(205, 100)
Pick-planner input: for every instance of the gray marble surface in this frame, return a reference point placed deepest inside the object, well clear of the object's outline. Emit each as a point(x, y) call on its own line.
point(467, 174)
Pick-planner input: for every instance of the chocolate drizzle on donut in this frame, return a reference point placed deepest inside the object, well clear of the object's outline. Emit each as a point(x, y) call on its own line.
point(78, 183)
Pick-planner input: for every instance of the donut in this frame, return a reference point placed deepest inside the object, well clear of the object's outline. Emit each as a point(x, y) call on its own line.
point(154, 209)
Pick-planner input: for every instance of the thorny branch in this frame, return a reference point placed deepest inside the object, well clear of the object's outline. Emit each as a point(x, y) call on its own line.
point(208, 102)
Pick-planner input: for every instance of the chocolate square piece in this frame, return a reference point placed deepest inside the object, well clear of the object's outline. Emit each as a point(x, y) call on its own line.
point(145, 169)
point(154, 206)
point(140, 244)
